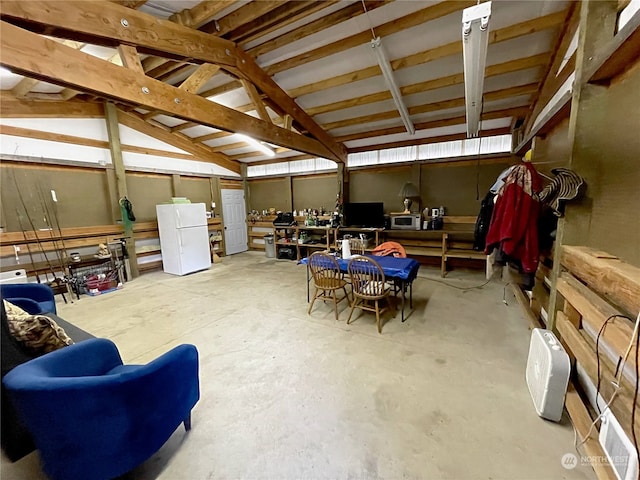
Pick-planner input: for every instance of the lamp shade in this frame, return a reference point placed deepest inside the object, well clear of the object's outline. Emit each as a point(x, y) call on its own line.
point(409, 190)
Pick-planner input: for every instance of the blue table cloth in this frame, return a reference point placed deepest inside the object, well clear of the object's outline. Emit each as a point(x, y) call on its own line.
point(405, 269)
point(402, 271)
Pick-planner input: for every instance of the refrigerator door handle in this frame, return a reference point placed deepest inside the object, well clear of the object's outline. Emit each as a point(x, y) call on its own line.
point(180, 243)
point(178, 218)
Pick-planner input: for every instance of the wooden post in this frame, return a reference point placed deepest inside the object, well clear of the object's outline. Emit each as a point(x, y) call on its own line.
point(176, 185)
point(216, 196)
point(112, 194)
point(289, 207)
point(111, 117)
point(597, 26)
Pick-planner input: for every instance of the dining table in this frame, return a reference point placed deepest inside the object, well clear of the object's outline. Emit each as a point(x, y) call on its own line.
point(402, 271)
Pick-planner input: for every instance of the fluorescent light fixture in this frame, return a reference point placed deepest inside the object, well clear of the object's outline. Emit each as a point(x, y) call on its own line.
point(6, 73)
point(475, 39)
point(259, 145)
point(387, 72)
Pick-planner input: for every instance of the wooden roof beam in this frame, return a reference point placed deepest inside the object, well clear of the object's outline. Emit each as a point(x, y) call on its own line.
point(549, 82)
point(135, 4)
point(11, 107)
point(447, 122)
point(428, 140)
point(276, 19)
point(256, 100)
point(427, 14)
point(449, 80)
point(199, 151)
point(242, 15)
point(434, 107)
point(198, 78)
point(37, 56)
point(339, 16)
point(200, 14)
point(503, 34)
point(103, 23)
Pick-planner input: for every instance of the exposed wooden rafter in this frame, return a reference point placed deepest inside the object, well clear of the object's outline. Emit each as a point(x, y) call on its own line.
point(39, 57)
point(198, 78)
point(550, 81)
point(257, 101)
point(353, 10)
point(434, 106)
point(446, 122)
point(200, 14)
point(199, 151)
point(11, 107)
point(411, 20)
point(138, 32)
point(87, 142)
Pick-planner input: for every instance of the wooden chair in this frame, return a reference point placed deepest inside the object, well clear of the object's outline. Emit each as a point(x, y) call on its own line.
point(327, 279)
point(356, 246)
point(369, 287)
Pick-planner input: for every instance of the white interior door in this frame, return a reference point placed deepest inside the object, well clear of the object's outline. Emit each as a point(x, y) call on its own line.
point(235, 221)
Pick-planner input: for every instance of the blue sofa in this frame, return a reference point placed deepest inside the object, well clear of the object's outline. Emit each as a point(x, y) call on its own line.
point(93, 417)
point(33, 297)
point(15, 438)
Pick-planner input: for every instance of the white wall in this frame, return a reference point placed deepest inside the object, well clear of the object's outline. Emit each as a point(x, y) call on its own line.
point(96, 129)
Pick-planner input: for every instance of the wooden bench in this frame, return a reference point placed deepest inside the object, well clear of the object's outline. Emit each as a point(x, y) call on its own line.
point(454, 241)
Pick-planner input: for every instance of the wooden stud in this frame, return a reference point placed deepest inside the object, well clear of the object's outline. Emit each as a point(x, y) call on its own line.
point(113, 129)
point(176, 185)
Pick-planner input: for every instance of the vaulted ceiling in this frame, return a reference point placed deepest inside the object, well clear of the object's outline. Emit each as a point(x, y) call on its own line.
point(298, 75)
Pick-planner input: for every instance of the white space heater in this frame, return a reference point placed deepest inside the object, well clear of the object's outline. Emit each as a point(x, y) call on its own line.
point(548, 369)
point(618, 448)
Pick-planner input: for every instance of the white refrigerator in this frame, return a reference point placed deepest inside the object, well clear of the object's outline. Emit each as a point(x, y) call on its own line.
point(184, 238)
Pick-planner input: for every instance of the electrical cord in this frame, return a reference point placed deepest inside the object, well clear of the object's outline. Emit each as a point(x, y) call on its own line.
point(455, 286)
point(635, 336)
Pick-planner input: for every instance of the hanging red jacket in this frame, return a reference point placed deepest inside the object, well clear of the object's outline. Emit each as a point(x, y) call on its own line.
point(514, 223)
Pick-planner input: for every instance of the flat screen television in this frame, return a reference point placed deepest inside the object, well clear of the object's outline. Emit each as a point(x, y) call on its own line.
point(370, 214)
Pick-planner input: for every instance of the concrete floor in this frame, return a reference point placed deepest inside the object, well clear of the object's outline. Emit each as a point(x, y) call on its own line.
point(288, 395)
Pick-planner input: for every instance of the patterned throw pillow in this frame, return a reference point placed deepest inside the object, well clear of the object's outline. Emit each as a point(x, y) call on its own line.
point(38, 333)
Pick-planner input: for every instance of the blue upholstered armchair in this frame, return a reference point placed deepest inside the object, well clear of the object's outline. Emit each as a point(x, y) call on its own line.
point(35, 298)
point(93, 417)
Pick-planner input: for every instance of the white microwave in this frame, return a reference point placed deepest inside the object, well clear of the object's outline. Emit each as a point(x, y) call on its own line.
point(406, 221)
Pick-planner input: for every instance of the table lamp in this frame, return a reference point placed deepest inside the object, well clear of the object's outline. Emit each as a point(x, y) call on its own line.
point(408, 191)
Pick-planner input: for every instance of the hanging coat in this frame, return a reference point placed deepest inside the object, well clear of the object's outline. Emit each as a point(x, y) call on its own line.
point(514, 223)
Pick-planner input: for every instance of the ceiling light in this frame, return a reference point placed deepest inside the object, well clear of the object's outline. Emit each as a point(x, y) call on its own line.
point(387, 72)
point(6, 73)
point(475, 39)
point(259, 145)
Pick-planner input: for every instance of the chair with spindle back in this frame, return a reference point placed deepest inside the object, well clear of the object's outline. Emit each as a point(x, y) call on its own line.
point(369, 287)
point(327, 279)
